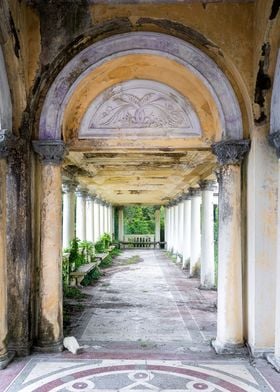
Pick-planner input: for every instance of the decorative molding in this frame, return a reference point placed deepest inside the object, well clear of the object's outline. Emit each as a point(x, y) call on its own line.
point(51, 152)
point(119, 45)
point(8, 142)
point(194, 192)
point(274, 140)
point(82, 192)
point(69, 186)
point(91, 197)
point(231, 152)
point(186, 196)
point(140, 108)
point(207, 185)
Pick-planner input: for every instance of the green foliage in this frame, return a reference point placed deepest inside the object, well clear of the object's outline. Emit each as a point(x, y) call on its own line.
point(115, 252)
point(87, 251)
point(139, 220)
point(106, 239)
point(75, 257)
point(72, 292)
point(93, 275)
point(99, 246)
point(106, 262)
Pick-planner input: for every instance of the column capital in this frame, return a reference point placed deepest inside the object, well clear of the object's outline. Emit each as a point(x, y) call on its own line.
point(69, 186)
point(194, 192)
point(91, 197)
point(157, 208)
point(82, 192)
point(8, 142)
point(51, 152)
point(274, 141)
point(207, 185)
point(186, 196)
point(231, 152)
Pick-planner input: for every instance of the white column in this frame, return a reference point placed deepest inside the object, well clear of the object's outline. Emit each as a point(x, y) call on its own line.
point(181, 228)
point(109, 219)
point(195, 230)
point(81, 194)
point(96, 224)
point(207, 271)
point(166, 227)
point(274, 139)
point(101, 218)
point(113, 221)
point(90, 218)
point(68, 188)
point(176, 228)
point(230, 302)
point(157, 224)
point(187, 230)
point(121, 225)
point(172, 227)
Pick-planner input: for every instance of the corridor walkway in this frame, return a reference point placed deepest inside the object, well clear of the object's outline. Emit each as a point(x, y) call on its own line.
point(146, 327)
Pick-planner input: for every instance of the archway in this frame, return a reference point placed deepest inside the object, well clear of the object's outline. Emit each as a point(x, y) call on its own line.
point(138, 68)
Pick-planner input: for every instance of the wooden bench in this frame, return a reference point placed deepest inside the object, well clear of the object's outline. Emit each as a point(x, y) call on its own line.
point(76, 277)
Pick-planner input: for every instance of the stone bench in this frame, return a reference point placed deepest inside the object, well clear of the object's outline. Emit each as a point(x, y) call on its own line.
point(76, 277)
point(100, 256)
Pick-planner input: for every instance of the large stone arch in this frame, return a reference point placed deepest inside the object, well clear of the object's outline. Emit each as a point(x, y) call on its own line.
point(197, 62)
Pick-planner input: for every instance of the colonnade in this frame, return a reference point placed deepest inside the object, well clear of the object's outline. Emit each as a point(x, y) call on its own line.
point(93, 215)
point(185, 217)
point(196, 246)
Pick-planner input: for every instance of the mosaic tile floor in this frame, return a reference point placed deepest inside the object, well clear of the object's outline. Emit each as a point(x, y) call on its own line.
point(146, 327)
point(41, 375)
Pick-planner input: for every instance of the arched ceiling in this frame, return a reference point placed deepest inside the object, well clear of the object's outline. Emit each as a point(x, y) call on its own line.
point(139, 116)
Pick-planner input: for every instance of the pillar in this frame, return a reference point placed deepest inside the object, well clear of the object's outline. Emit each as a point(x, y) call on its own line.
point(166, 225)
point(113, 221)
point(175, 231)
point(68, 212)
point(81, 195)
point(49, 312)
point(96, 224)
point(101, 217)
point(157, 224)
point(105, 218)
point(187, 230)
point(90, 218)
point(230, 302)
point(121, 224)
point(195, 230)
point(207, 264)
point(181, 228)
point(5, 138)
point(274, 359)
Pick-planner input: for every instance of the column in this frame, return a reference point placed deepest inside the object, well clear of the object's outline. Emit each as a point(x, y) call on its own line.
point(68, 188)
point(90, 218)
point(5, 138)
point(187, 230)
point(101, 217)
point(105, 218)
point(49, 328)
point(81, 195)
point(121, 224)
point(175, 232)
point(157, 224)
point(195, 231)
point(274, 359)
point(230, 305)
point(181, 228)
point(113, 221)
point(207, 271)
point(166, 226)
point(172, 227)
point(96, 224)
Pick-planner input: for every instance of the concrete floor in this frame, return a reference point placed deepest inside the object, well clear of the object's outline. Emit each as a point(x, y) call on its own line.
point(146, 327)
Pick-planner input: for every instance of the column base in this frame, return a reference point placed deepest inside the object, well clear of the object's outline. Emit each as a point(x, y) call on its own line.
point(20, 350)
point(203, 287)
point(49, 347)
point(274, 361)
point(228, 348)
point(6, 359)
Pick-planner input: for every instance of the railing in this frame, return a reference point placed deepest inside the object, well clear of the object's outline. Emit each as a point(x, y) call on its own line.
point(139, 240)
